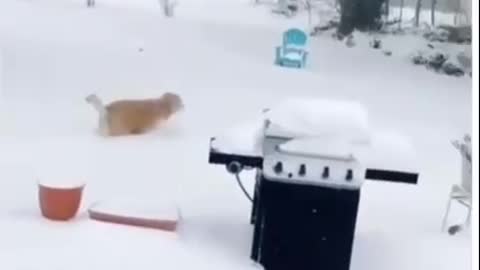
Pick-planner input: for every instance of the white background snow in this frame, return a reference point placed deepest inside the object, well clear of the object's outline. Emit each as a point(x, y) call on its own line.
point(218, 55)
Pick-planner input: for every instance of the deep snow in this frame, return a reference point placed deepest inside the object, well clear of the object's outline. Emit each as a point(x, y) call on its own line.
point(219, 57)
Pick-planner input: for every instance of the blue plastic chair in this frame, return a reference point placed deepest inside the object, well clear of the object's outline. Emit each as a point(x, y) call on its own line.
point(293, 51)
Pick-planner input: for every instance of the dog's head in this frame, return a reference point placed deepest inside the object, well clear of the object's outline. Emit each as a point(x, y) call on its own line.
point(174, 101)
point(92, 98)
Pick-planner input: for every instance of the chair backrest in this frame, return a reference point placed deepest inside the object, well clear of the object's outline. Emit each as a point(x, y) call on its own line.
point(467, 166)
point(295, 37)
point(465, 149)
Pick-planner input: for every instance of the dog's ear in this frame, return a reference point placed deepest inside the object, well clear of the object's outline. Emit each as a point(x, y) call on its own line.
point(169, 95)
point(174, 100)
point(90, 98)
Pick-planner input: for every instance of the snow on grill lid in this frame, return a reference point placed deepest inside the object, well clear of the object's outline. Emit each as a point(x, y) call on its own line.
point(320, 117)
point(328, 148)
point(387, 150)
point(298, 117)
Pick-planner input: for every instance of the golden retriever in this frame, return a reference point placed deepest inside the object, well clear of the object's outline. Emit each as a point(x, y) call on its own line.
point(134, 117)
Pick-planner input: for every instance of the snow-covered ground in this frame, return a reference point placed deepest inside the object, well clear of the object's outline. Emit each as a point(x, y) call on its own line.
point(218, 55)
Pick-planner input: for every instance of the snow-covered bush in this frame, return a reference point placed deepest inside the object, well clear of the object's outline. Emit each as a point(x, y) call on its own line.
point(436, 61)
point(440, 62)
point(452, 69)
point(436, 35)
point(418, 58)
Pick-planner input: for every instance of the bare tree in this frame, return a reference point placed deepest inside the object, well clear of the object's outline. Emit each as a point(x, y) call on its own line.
point(308, 5)
point(418, 9)
point(402, 3)
point(457, 12)
point(387, 8)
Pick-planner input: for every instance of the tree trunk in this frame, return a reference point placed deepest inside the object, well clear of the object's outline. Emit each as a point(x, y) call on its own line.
point(347, 16)
point(434, 5)
point(418, 9)
point(363, 15)
point(387, 8)
point(309, 10)
point(402, 3)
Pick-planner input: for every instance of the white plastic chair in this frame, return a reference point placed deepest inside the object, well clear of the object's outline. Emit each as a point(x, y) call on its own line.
point(462, 193)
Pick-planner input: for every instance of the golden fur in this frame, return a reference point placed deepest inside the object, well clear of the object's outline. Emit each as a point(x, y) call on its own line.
point(131, 117)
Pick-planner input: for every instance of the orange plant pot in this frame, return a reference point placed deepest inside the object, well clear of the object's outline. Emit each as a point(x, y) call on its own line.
point(59, 203)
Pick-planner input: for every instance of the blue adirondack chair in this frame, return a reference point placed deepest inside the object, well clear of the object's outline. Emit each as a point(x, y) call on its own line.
point(293, 51)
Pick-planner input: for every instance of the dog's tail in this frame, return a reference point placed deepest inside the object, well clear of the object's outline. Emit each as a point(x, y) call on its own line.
point(96, 103)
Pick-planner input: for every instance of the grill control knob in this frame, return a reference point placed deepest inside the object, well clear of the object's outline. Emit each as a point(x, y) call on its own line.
point(303, 170)
point(278, 168)
point(326, 173)
point(349, 176)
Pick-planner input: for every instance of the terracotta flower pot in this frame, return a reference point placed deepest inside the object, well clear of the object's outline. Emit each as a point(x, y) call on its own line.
point(59, 203)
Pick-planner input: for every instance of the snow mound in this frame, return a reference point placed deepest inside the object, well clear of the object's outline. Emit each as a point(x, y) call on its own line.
point(64, 178)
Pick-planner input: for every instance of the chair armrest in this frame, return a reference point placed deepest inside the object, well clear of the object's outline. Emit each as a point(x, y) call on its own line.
point(278, 51)
point(305, 53)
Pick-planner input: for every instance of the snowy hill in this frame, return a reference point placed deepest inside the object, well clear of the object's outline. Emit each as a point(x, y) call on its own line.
point(218, 56)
